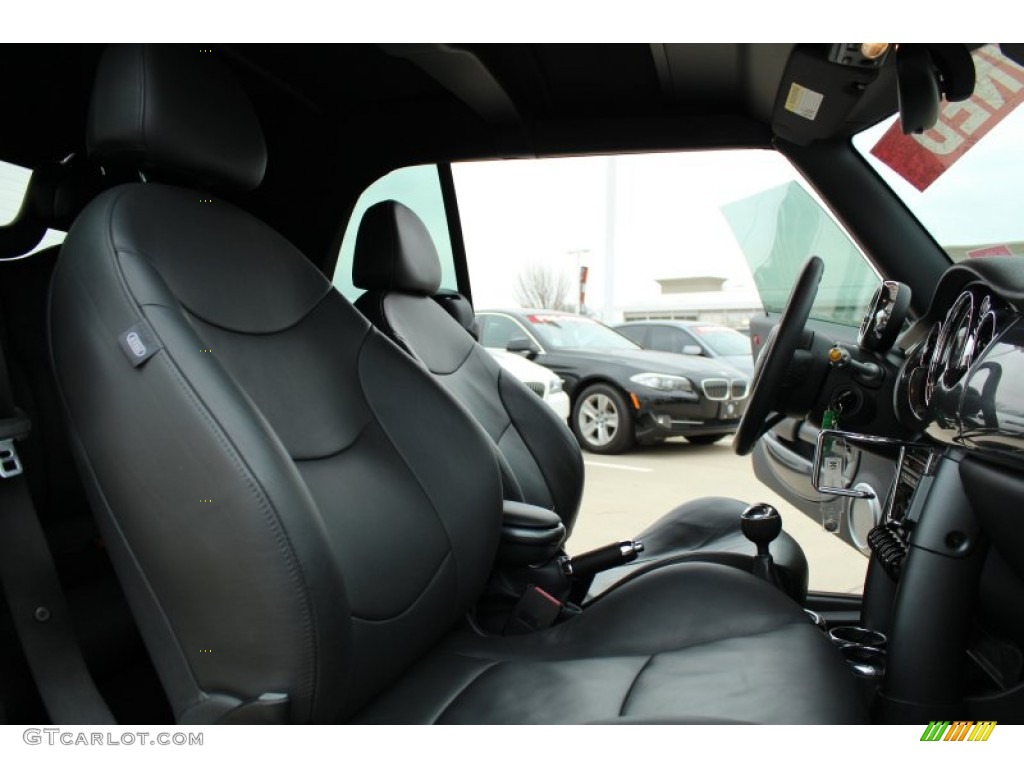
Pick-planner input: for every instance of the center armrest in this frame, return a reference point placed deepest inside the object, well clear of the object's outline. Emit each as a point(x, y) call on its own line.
point(530, 535)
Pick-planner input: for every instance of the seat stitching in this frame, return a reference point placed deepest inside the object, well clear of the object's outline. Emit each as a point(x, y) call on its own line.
point(539, 465)
point(627, 655)
point(625, 700)
point(283, 541)
point(270, 516)
point(462, 692)
point(693, 556)
point(401, 455)
point(415, 600)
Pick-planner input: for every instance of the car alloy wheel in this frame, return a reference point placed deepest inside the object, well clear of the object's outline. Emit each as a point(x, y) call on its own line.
point(602, 420)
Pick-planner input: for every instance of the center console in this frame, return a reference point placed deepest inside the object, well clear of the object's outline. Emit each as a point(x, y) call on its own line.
point(921, 591)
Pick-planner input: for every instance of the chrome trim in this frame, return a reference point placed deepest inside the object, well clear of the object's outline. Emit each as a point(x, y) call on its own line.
point(715, 383)
point(869, 440)
point(874, 508)
point(728, 388)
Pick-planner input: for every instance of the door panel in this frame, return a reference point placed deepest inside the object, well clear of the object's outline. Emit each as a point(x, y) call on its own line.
point(783, 459)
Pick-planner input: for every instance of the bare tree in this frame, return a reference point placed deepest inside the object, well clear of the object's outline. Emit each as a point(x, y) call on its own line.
point(541, 287)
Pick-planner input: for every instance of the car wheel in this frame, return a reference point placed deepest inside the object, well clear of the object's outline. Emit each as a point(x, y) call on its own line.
point(602, 420)
point(706, 439)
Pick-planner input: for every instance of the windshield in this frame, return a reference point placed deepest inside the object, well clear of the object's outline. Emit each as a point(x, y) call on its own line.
point(724, 341)
point(576, 332)
point(961, 178)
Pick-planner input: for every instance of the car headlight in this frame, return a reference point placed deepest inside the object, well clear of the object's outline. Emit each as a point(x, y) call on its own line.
point(663, 381)
point(555, 385)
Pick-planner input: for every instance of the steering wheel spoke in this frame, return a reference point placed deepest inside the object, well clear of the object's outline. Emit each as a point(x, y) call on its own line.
point(775, 359)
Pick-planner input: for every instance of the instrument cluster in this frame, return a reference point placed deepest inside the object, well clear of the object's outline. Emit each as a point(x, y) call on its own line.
point(956, 383)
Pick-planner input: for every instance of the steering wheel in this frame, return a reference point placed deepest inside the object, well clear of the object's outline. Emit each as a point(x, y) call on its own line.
point(773, 362)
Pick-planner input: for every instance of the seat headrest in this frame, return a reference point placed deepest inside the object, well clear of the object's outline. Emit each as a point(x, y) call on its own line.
point(394, 251)
point(456, 305)
point(175, 108)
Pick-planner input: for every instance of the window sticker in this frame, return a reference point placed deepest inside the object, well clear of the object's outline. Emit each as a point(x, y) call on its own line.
point(803, 101)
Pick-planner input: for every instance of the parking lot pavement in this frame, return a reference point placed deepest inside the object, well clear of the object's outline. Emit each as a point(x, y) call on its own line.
point(624, 494)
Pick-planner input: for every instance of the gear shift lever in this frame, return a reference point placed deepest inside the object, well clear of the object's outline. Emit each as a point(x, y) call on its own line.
point(761, 524)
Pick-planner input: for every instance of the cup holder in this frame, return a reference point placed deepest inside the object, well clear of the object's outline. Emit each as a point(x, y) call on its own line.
point(843, 636)
point(865, 661)
point(864, 651)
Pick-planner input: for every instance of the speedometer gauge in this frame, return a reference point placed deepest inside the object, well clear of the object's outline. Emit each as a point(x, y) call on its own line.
point(928, 361)
point(947, 360)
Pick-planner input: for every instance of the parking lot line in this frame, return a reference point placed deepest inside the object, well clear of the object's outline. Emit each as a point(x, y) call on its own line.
point(617, 466)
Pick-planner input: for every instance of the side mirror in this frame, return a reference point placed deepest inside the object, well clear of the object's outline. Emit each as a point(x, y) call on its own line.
point(523, 346)
point(692, 349)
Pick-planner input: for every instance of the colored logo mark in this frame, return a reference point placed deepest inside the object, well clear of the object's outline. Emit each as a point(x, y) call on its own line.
point(958, 730)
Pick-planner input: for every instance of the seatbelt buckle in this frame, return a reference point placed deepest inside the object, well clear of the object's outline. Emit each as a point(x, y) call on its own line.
point(10, 464)
point(12, 428)
point(535, 610)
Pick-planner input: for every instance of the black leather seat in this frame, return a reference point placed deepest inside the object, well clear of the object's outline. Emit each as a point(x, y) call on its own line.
point(299, 513)
point(395, 261)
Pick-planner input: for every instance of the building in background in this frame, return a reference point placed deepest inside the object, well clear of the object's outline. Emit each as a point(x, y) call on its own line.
point(707, 298)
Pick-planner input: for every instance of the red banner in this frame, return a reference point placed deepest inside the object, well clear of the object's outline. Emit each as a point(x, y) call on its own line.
point(922, 158)
point(992, 250)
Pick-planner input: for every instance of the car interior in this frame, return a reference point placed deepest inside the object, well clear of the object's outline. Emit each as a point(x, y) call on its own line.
point(230, 495)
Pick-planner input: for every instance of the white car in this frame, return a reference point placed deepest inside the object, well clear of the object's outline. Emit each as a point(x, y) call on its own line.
point(546, 384)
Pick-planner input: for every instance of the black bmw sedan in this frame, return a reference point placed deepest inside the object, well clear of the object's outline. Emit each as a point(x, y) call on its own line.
point(621, 393)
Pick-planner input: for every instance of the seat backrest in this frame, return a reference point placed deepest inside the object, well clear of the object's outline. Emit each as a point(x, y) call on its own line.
point(295, 508)
point(395, 261)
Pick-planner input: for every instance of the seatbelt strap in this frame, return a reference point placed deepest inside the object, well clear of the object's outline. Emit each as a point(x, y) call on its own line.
point(37, 603)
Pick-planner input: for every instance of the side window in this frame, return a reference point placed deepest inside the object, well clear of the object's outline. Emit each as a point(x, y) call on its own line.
point(497, 331)
point(665, 339)
point(713, 236)
point(419, 188)
point(777, 229)
point(686, 339)
point(636, 333)
point(13, 183)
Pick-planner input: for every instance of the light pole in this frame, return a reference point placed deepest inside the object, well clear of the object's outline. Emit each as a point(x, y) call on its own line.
point(579, 277)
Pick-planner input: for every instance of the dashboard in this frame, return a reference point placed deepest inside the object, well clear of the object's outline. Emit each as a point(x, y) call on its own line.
point(963, 383)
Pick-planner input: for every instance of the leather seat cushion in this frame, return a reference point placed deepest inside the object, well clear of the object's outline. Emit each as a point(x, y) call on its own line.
point(688, 643)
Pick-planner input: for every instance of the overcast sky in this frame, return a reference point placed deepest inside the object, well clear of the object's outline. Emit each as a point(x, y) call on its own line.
point(668, 220)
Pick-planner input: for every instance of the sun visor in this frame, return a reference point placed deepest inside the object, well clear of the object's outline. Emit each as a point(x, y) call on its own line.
point(818, 97)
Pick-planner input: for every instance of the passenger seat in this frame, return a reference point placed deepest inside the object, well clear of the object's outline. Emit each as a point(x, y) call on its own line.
point(397, 264)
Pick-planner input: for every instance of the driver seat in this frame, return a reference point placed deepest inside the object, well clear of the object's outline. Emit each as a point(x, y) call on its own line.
point(300, 514)
point(395, 261)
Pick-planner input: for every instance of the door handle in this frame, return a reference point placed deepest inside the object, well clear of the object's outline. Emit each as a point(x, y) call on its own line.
point(789, 459)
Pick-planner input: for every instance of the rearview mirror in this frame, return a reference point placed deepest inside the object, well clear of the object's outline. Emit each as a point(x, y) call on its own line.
point(523, 346)
point(926, 73)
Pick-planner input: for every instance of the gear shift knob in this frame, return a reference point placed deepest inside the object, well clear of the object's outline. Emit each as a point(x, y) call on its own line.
point(762, 524)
